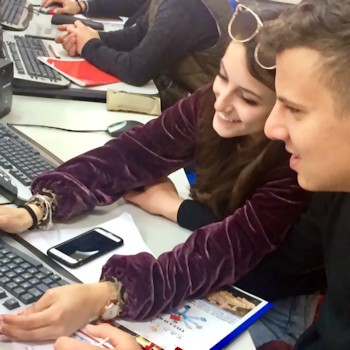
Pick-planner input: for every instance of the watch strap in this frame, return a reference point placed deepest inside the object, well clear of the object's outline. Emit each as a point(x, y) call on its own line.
point(115, 304)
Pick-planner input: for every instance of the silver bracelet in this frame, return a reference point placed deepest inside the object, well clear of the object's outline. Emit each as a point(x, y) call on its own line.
point(46, 201)
point(46, 222)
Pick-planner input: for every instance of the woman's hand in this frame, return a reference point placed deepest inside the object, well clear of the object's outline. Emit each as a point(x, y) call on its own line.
point(17, 220)
point(159, 199)
point(68, 41)
point(61, 311)
point(70, 7)
point(77, 36)
point(118, 339)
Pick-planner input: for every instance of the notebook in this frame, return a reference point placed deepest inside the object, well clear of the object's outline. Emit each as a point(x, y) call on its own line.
point(206, 324)
point(79, 71)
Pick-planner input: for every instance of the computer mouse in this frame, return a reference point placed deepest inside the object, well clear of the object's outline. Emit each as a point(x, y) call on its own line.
point(50, 10)
point(117, 129)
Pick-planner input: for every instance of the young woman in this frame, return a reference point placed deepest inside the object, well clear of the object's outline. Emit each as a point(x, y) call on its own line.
point(243, 178)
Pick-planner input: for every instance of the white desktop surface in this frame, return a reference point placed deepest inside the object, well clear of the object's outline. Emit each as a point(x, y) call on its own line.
point(159, 234)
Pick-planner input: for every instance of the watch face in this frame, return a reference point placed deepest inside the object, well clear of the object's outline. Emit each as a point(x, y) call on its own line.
point(111, 312)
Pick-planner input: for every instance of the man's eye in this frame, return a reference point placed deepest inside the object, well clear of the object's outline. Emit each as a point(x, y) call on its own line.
point(292, 109)
point(222, 76)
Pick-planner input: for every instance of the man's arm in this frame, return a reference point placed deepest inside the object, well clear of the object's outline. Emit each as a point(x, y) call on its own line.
point(124, 40)
point(136, 59)
point(114, 8)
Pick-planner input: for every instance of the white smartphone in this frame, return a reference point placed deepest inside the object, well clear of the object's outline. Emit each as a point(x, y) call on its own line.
point(85, 247)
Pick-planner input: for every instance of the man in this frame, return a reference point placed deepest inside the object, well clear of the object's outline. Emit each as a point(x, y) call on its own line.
point(101, 8)
point(311, 42)
point(177, 43)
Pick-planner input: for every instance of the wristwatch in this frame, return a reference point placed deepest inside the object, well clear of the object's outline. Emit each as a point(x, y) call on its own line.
point(113, 307)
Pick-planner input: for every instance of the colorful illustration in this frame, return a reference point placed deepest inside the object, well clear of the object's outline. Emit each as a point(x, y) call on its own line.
point(230, 301)
point(183, 316)
point(146, 344)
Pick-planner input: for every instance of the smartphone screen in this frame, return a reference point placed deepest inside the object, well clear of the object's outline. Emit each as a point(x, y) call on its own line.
point(85, 247)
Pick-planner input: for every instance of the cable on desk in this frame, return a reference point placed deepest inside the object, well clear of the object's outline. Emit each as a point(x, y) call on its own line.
point(56, 127)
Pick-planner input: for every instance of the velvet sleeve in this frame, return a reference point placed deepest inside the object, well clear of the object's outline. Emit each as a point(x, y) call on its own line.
point(213, 256)
point(138, 158)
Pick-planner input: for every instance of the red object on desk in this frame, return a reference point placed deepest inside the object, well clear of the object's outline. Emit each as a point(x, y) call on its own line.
point(79, 71)
point(175, 317)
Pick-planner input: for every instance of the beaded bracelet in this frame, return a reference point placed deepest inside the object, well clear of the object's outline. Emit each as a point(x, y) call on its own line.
point(46, 201)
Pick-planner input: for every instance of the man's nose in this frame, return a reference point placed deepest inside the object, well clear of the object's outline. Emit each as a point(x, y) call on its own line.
point(274, 126)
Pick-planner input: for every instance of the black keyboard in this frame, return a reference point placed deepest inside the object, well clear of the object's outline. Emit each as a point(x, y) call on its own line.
point(24, 278)
point(24, 52)
point(20, 159)
point(16, 14)
point(21, 162)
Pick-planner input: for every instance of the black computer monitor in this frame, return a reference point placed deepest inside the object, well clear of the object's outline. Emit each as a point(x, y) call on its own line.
point(1, 43)
point(1, 37)
point(6, 76)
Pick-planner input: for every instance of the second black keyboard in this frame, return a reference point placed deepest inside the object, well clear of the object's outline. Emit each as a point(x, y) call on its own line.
point(23, 51)
point(16, 14)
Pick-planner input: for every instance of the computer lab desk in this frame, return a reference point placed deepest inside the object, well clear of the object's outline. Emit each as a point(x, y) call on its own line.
point(74, 91)
point(159, 234)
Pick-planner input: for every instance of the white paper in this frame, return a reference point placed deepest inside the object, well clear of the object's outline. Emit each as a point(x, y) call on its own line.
point(49, 345)
point(31, 346)
point(122, 226)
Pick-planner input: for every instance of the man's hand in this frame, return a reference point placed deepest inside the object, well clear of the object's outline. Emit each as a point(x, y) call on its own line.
point(117, 338)
point(70, 7)
point(77, 36)
point(159, 199)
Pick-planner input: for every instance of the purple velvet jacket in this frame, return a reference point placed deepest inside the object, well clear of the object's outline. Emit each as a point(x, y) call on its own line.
point(214, 255)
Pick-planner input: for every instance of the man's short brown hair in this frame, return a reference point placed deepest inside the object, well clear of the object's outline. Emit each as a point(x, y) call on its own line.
point(321, 25)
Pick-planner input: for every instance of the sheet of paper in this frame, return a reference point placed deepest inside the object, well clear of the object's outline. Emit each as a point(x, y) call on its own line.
point(62, 118)
point(123, 226)
point(49, 345)
point(30, 346)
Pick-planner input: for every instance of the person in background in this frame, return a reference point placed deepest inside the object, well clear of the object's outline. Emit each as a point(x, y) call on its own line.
point(105, 8)
point(312, 116)
point(244, 179)
point(177, 43)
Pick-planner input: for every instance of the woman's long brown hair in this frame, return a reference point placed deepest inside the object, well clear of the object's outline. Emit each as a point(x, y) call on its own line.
point(229, 169)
